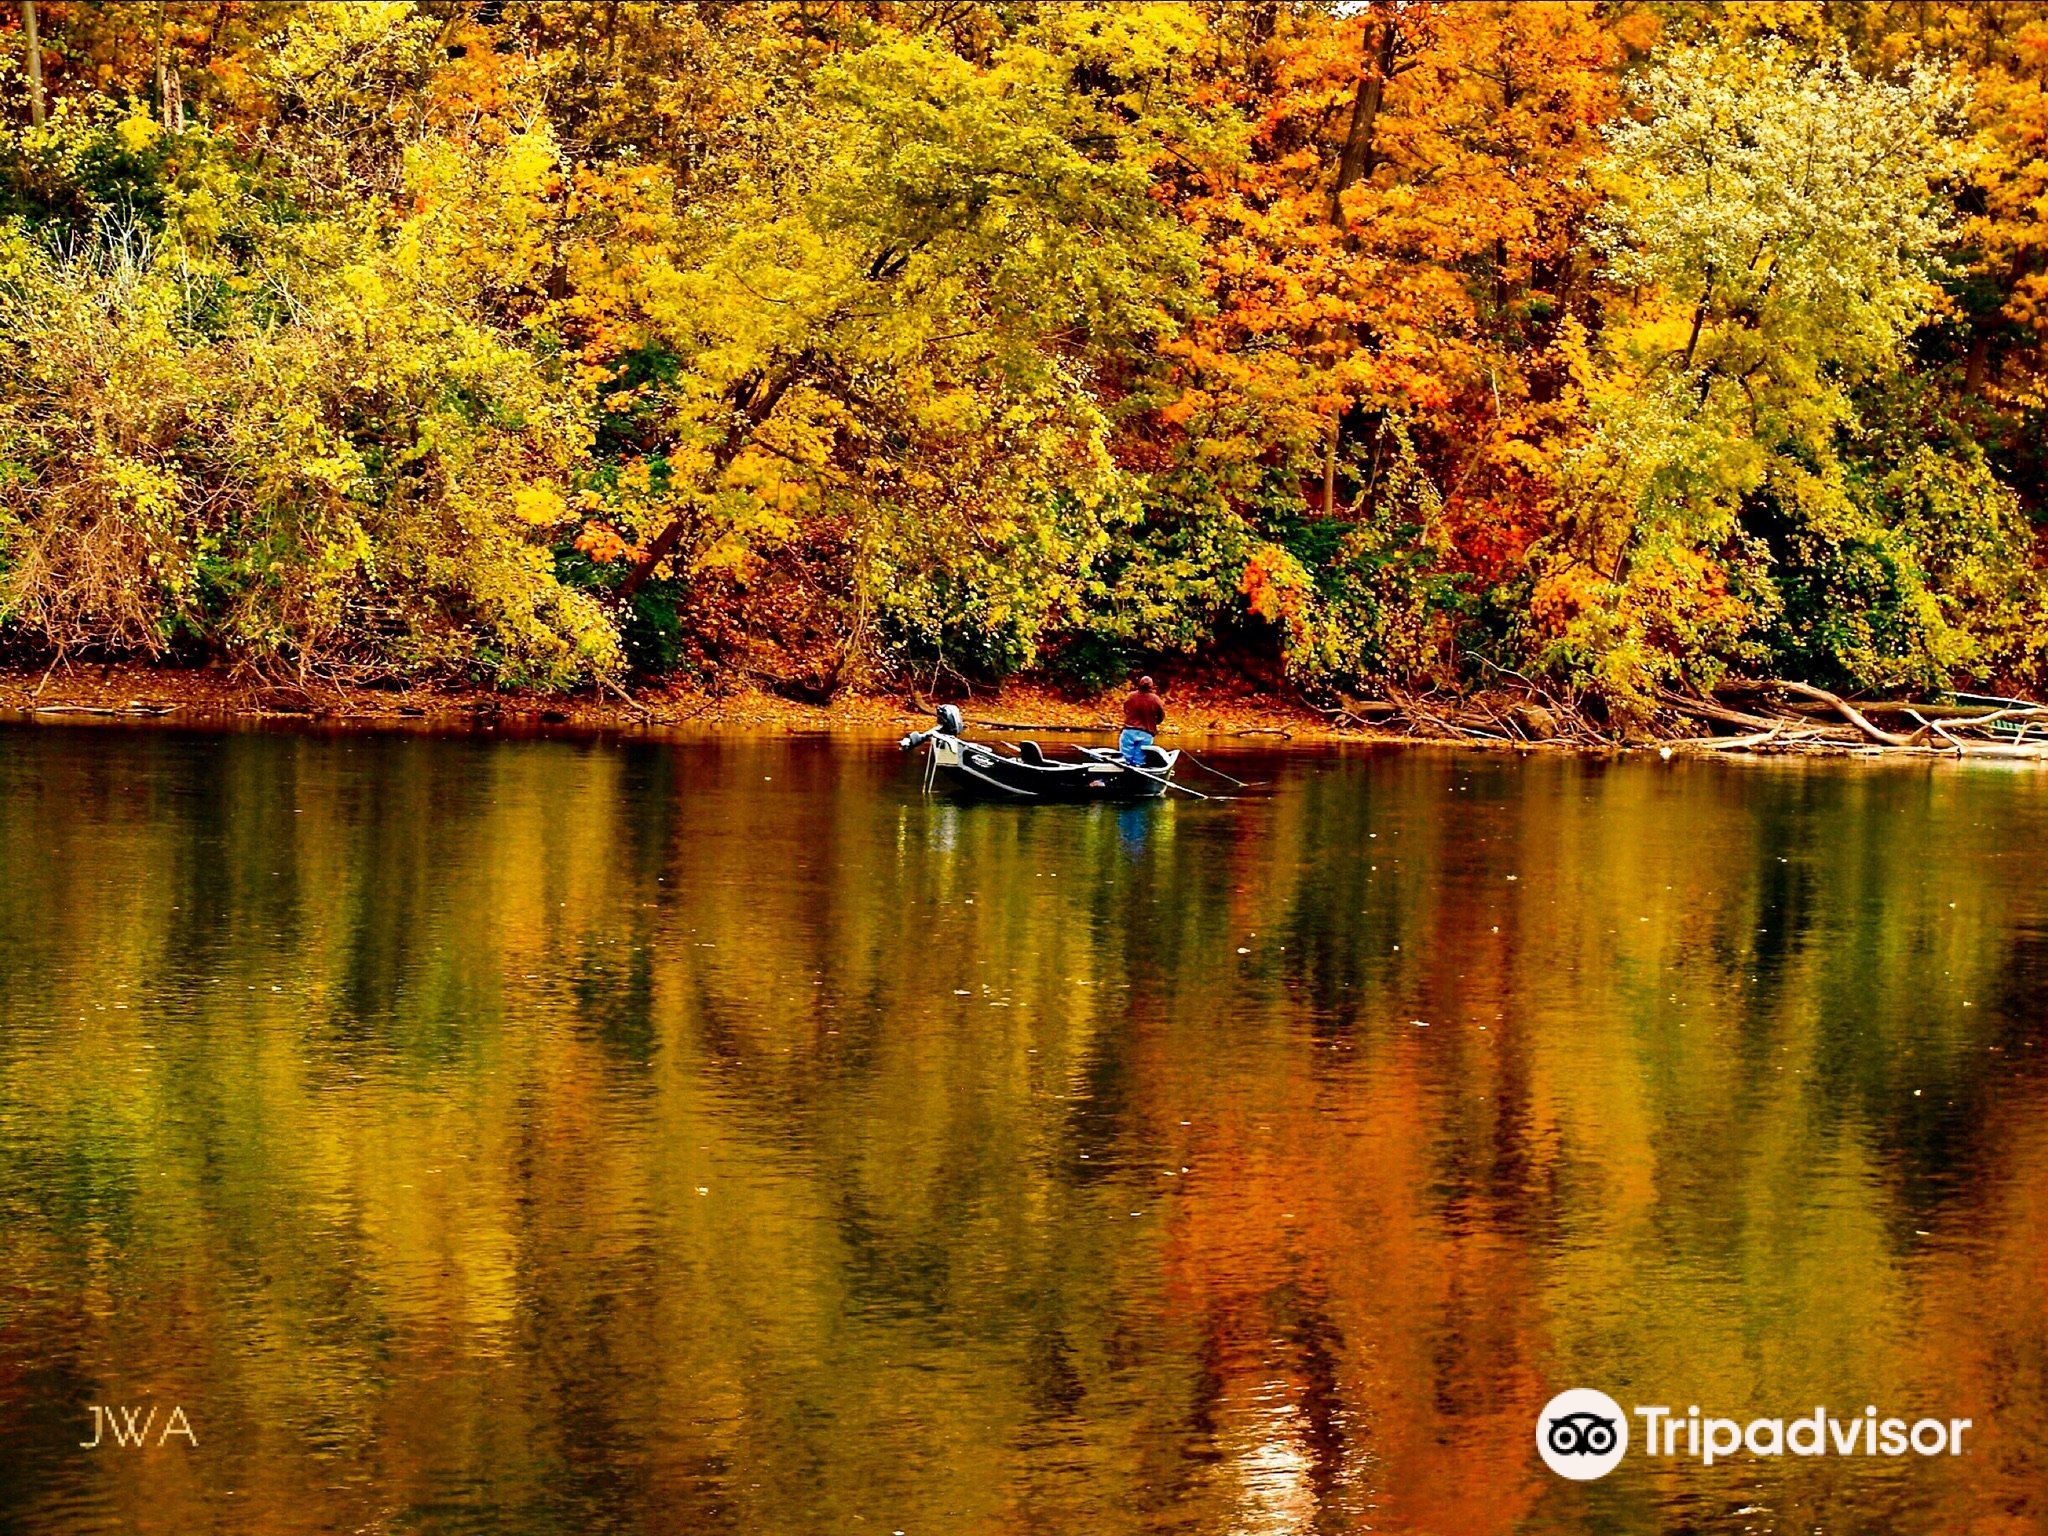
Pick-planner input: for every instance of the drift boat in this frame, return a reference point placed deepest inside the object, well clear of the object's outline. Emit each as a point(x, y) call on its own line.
point(1025, 771)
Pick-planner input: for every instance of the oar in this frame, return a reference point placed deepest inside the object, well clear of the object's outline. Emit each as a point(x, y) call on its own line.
point(1162, 779)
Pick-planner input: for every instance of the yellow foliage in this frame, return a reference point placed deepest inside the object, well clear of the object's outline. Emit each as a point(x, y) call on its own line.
point(519, 341)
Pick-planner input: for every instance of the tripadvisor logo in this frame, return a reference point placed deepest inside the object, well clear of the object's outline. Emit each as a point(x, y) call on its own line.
point(1583, 1434)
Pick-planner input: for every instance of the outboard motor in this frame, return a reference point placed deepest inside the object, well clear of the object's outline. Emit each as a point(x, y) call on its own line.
point(951, 723)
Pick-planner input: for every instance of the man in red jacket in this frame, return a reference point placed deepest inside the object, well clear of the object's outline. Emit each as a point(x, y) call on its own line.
point(1143, 715)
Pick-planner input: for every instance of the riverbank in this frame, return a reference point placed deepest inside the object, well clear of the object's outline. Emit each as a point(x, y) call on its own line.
point(86, 691)
point(1779, 718)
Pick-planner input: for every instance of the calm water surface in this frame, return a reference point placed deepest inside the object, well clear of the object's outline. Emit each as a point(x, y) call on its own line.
point(558, 1136)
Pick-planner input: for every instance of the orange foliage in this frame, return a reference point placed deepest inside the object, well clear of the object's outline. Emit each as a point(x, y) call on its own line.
point(1404, 241)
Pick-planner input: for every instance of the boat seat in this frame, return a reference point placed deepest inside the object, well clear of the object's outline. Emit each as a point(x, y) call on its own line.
point(1031, 753)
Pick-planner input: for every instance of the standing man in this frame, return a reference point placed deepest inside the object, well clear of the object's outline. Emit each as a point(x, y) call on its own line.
point(1143, 714)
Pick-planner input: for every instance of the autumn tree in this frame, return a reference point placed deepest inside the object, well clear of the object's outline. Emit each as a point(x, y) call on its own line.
point(1777, 229)
point(1370, 414)
point(1342, 344)
point(897, 332)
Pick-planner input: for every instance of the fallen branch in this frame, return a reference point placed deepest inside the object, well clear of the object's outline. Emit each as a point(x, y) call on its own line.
point(1455, 728)
point(1709, 711)
point(1972, 722)
point(1345, 719)
point(55, 662)
point(1730, 743)
point(1954, 714)
point(1848, 712)
point(1365, 709)
point(1028, 725)
point(627, 699)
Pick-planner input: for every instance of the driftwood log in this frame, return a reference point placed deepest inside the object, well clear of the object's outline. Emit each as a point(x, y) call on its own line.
point(1799, 719)
point(1850, 713)
point(1706, 710)
point(1095, 729)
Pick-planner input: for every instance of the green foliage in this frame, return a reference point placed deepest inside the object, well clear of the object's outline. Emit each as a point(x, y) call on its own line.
point(1367, 596)
point(837, 342)
point(1777, 226)
point(349, 468)
point(1918, 575)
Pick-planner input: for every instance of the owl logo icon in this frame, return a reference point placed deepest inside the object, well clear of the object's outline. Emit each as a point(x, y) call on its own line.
point(1581, 1434)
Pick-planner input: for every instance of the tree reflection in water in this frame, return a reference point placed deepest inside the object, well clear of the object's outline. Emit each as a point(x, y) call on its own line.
point(560, 1135)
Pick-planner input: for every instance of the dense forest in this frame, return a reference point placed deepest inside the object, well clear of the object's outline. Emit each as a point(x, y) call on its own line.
point(1623, 345)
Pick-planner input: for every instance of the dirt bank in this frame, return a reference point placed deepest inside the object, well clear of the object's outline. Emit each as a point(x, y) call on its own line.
point(1798, 720)
point(90, 691)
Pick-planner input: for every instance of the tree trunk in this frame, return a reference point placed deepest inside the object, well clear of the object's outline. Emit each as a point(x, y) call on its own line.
point(663, 546)
point(162, 96)
point(1977, 363)
point(1353, 165)
point(1258, 34)
point(1699, 319)
point(1330, 464)
point(34, 48)
point(1356, 162)
point(1847, 711)
point(754, 406)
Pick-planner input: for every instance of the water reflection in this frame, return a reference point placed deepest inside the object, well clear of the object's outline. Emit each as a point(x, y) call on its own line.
point(563, 1136)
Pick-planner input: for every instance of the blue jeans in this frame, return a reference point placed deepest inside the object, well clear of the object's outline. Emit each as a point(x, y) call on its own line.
point(1132, 744)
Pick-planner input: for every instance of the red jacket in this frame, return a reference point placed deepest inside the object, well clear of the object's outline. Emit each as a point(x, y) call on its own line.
point(1143, 712)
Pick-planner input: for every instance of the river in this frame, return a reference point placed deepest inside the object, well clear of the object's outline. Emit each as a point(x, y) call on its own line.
point(562, 1136)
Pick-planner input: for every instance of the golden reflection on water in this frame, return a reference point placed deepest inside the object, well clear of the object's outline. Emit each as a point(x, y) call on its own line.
point(562, 1136)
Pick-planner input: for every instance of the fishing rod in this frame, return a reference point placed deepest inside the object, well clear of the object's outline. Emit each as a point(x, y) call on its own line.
point(1226, 778)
